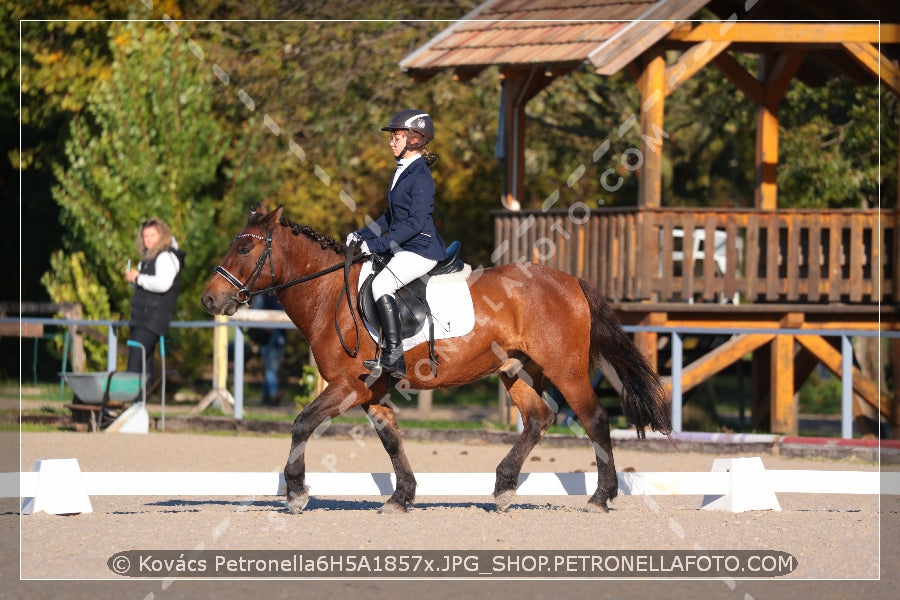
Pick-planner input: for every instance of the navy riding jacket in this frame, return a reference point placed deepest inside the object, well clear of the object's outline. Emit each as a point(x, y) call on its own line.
point(408, 223)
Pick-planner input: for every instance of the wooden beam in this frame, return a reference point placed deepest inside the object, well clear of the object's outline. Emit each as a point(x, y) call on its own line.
point(778, 79)
point(862, 385)
point(652, 86)
point(691, 61)
point(868, 56)
point(739, 76)
point(466, 74)
point(722, 357)
point(27, 330)
point(788, 33)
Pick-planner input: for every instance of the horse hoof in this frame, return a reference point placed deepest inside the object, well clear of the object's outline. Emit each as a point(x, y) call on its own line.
point(596, 507)
point(391, 508)
point(504, 499)
point(298, 502)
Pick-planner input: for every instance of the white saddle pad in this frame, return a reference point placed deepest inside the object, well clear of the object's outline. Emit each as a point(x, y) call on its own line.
point(451, 306)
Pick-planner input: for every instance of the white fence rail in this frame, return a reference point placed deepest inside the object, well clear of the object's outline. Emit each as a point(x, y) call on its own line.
point(58, 486)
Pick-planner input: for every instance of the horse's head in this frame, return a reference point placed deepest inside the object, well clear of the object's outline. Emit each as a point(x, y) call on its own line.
point(248, 266)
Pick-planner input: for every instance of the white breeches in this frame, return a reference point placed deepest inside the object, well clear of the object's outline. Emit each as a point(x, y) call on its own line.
point(400, 270)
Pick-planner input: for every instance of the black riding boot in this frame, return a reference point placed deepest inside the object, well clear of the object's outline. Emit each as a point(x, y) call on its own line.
point(392, 358)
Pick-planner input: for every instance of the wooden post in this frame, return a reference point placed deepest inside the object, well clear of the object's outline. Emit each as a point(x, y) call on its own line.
point(652, 88)
point(784, 405)
point(519, 86)
point(783, 409)
point(648, 341)
point(423, 403)
point(766, 158)
point(760, 388)
point(220, 370)
point(776, 73)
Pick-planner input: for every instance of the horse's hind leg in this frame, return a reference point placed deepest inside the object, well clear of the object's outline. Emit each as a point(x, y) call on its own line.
point(525, 391)
point(385, 422)
point(581, 398)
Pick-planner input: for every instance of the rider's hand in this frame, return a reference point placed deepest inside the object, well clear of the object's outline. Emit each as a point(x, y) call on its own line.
point(364, 248)
point(352, 238)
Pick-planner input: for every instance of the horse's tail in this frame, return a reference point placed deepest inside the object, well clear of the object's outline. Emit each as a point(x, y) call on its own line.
point(644, 400)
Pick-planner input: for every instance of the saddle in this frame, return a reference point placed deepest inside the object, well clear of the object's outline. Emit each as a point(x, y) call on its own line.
point(411, 299)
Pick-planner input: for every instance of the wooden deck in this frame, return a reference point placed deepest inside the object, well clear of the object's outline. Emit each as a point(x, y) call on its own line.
point(632, 255)
point(734, 269)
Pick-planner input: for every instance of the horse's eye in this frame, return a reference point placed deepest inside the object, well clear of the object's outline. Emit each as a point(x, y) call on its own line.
point(244, 250)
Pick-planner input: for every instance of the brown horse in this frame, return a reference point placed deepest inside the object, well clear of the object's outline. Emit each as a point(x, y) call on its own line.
point(534, 325)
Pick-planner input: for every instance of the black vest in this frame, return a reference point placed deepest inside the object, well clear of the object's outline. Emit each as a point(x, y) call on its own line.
point(153, 310)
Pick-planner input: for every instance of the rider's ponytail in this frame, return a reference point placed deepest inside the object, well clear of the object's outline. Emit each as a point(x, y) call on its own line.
point(429, 157)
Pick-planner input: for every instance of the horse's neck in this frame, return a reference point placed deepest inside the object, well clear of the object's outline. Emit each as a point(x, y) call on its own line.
point(311, 304)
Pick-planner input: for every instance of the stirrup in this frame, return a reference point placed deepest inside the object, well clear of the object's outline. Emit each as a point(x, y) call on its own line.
point(374, 367)
point(377, 368)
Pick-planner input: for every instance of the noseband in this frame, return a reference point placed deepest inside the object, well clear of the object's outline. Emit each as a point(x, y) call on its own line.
point(244, 294)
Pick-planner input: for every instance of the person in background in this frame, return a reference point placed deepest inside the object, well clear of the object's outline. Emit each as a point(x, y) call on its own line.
point(155, 283)
point(271, 343)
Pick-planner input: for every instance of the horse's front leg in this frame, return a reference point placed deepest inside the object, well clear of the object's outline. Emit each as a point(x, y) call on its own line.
point(385, 421)
point(335, 400)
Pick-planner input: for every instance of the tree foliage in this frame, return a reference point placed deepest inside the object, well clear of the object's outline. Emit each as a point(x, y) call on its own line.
point(194, 120)
point(147, 144)
point(830, 146)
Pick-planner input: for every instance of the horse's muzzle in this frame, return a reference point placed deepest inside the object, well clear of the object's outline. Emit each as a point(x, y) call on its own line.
point(227, 307)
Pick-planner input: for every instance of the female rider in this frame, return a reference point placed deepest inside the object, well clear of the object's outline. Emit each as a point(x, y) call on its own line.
point(406, 230)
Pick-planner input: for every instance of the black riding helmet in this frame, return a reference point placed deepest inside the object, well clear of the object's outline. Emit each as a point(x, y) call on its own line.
point(414, 121)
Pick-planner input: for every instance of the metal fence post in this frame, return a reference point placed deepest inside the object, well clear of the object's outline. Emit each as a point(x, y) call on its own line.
point(676, 381)
point(846, 387)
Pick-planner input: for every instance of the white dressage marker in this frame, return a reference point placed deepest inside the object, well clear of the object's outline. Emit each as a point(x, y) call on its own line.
point(59, 489)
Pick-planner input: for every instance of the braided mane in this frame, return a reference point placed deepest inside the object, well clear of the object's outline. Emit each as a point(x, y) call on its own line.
point(325, 242)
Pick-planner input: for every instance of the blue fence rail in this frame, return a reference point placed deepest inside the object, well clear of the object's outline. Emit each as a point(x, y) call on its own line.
point(677, 334)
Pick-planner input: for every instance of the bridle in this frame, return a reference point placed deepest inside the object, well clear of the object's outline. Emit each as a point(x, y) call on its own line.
point(245, 291)
point(244, 295)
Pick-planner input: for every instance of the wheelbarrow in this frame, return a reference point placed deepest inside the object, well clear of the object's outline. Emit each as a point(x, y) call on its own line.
point(104, 390)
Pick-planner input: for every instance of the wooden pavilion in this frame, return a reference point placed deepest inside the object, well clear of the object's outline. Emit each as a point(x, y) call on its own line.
point(792, 269)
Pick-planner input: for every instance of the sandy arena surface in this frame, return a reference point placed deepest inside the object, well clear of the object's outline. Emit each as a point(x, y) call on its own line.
point(831, 536)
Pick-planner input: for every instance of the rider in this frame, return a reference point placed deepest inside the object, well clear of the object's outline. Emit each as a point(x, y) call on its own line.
point(406, 230)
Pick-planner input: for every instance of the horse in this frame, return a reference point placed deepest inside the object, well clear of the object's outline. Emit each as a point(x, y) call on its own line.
point(535, 326)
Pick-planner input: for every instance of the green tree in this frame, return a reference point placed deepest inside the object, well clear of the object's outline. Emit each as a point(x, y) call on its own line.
point(325, 88)
point(829, 146)
point(147, 144)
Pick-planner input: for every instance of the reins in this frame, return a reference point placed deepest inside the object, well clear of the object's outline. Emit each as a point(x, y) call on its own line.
point(244, 295)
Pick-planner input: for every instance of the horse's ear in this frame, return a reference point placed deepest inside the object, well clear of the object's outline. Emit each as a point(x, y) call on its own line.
point(276, 216)
point(257, 212)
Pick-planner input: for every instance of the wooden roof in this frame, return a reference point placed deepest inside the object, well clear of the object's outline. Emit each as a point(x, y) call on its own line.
point(610, 34)
point(541, 32)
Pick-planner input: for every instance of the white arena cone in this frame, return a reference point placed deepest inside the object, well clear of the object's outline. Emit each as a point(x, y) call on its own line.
point(748, 488)
point(60, 489)
point(134, 420)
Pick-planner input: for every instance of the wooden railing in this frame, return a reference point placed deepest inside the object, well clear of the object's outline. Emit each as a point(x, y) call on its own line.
point(683, 254)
